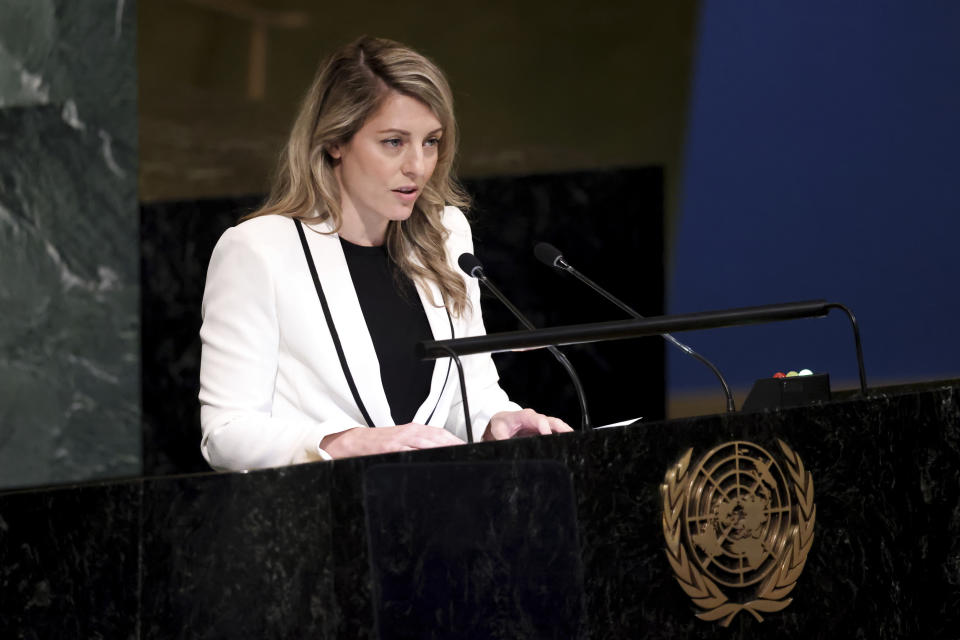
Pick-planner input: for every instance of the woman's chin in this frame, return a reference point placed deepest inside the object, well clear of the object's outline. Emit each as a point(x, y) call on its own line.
point(401, 213)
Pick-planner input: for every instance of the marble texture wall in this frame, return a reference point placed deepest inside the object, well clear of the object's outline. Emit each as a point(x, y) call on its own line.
point(69, 281)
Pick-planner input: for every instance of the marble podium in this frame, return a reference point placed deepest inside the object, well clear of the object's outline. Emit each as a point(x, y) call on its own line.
point(557, 537)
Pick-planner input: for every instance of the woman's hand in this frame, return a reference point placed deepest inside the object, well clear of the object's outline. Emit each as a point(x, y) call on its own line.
point(364, 441)
point(513, 424)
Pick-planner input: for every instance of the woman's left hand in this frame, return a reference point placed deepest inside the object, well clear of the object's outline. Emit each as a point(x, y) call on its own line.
point(514, 424)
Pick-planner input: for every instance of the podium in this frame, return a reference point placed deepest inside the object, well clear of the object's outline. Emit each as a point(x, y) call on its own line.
point(548, 537)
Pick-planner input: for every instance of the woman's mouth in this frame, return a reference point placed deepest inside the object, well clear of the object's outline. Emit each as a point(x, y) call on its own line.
point(407, 194)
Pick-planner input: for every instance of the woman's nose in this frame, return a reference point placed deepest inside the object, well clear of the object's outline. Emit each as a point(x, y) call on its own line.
point(413, 162)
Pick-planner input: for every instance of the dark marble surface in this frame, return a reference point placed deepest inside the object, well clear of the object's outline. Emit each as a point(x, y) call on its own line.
point(69, 563)
point(474, 550)
point(176, 240)
point(255, 549)
point(608, 223)
point(323, 549)
point(69, 326)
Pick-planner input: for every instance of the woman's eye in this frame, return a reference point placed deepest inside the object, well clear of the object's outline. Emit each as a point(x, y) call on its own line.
point(431, 142)
point(392, 142)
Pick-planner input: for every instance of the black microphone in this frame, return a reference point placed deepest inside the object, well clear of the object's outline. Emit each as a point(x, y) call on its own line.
point(471, 266)
point(551, 256)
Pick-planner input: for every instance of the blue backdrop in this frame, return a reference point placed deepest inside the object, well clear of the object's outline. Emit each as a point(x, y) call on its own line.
point(822, 160)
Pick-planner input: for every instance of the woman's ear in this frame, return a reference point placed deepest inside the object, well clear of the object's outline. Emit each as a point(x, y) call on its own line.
point(334, 151)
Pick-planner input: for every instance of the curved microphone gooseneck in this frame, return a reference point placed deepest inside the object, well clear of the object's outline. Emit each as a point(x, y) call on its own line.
point(471, 266)
point(551, 256)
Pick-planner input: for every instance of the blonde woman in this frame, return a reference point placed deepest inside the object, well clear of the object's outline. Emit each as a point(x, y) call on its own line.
point(314, 303)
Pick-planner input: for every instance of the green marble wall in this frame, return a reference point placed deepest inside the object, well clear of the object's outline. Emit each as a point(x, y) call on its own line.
point(69, 292)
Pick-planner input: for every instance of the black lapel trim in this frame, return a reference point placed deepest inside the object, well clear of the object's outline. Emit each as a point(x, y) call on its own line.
point(330, 325)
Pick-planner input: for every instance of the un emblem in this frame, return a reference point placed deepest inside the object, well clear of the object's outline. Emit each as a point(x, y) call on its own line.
point(738, 529)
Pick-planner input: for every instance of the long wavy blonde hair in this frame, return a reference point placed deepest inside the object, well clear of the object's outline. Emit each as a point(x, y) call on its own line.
point(347, 90)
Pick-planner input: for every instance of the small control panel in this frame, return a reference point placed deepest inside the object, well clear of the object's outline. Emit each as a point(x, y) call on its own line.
point(791, 389)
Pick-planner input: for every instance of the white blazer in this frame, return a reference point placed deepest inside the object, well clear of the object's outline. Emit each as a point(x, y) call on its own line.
point(271, 384)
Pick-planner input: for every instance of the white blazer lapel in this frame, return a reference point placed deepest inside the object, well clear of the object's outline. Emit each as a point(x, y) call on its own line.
point(358, 349)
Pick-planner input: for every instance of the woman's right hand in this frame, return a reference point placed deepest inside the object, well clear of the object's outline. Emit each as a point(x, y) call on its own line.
point(364, 441)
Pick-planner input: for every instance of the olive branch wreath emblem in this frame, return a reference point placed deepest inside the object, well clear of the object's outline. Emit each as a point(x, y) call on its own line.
point(771, 596)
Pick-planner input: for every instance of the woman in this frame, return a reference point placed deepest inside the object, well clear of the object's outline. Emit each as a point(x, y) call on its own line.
point(314, 303)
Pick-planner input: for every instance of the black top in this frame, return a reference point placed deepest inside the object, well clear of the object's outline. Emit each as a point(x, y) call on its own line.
point(396, 321)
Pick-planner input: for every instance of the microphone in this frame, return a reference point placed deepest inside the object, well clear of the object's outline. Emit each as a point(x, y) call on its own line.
point(471, 266)
point(551, 256)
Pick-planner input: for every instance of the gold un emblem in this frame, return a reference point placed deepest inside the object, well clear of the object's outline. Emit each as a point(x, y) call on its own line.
point(738, 530)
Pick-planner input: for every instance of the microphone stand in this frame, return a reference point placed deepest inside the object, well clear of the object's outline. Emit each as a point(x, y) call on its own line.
point(463, 391)
point(559, 262)
point(620, 329)
point(477, 272)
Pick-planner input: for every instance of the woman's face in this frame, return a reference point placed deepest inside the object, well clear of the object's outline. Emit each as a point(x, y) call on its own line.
point(383, 168)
